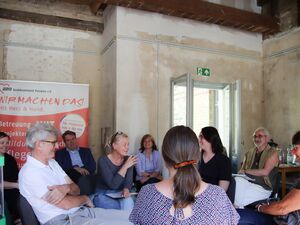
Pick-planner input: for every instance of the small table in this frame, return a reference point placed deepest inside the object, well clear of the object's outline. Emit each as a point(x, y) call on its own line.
point(284, 169)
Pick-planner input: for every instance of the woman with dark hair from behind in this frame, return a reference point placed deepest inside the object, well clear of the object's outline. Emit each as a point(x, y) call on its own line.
point(148, 166)
point(10, 178)
point(214, 167)
point(182, 198)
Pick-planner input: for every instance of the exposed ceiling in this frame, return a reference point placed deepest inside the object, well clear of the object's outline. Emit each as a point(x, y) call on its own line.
point(191, 9)
point(198, 10)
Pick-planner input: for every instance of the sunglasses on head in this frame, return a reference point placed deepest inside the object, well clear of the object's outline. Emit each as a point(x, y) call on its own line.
point(114, 136)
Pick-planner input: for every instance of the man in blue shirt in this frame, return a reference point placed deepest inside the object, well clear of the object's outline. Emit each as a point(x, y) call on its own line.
point(74, 160)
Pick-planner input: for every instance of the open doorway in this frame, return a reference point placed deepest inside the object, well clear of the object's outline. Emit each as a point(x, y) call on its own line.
point(198, 104)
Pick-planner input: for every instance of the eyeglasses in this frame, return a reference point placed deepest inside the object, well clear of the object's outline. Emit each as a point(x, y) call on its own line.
point(259, 136)
point(51, 142)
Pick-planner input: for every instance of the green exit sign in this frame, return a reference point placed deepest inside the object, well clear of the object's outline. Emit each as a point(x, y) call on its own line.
point(203, 71)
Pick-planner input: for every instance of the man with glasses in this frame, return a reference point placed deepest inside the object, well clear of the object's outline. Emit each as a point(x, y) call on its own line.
point(287, 211)
point(53, 196)
point(289, 207)
point(260, 163)
point(75, 161)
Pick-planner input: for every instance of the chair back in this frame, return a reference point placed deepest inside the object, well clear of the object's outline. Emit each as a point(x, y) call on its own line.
point(276, 184)
point(231, 190)
point(137, 185)
point(26, 212)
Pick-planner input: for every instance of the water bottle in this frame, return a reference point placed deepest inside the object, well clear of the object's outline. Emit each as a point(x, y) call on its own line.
point(283, 156)
point(280, 154)
point(289, 156)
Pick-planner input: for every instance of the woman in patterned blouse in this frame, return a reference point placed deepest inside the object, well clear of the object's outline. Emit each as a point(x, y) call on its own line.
point(182, 198)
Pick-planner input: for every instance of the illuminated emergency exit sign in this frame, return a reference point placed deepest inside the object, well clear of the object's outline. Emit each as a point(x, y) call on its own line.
point(203, 71)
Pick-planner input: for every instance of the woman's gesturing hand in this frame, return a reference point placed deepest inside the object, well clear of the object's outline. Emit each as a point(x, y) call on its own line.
point(131, 161)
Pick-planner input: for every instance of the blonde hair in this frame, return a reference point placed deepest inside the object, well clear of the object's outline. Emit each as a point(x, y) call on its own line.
point(113, 139)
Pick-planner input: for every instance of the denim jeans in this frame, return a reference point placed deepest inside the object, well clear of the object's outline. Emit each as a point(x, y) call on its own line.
point(101, 200)
point(92, 216)
point(252, 217)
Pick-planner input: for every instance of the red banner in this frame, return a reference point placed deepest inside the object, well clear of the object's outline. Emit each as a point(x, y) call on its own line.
point(24, 103)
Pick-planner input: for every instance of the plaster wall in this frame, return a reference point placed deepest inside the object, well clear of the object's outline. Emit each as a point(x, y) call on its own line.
point(153, 48)
point(281, 85)
point(107, 97)
point(44, 53)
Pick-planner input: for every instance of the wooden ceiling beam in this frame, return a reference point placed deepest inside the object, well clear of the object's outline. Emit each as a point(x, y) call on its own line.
point(95, 6)
point(194, 8)
point(32, 17)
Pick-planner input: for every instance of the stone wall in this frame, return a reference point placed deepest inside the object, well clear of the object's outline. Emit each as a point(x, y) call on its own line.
point(281, 72)
point(153, 48)
point(45, 53)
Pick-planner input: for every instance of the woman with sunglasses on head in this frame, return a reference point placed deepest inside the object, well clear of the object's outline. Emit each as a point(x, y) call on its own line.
point(183, 198)
point(10, 178)
point(148, 167)
point(215, 166)
point(115, 174)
